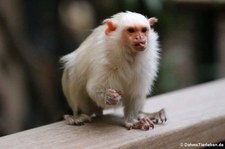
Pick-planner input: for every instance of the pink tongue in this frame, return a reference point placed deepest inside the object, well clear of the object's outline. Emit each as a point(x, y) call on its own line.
point(140, 44)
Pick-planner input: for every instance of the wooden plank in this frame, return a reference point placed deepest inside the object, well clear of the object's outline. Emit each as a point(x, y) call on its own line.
point(195, 115)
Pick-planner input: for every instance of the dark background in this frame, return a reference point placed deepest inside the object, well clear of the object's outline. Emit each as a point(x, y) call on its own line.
point(35, 34)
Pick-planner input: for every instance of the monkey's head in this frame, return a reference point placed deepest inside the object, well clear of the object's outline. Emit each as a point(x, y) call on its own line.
point(132, 29)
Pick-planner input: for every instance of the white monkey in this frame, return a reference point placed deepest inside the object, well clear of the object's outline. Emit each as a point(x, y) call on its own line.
point(116, 65)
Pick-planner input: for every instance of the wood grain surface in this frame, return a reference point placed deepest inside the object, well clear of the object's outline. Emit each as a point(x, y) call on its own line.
point(195, 115)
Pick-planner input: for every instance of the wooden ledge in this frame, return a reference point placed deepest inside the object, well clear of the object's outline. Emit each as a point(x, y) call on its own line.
point(195, 115)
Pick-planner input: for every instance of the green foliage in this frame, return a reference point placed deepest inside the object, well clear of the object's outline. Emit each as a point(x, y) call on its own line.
point(155, 6)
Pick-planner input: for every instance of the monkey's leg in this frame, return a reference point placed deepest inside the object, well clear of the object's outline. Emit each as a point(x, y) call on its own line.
point(158, 117)
point(131, 113)
point(98, 112)
point(77, 119)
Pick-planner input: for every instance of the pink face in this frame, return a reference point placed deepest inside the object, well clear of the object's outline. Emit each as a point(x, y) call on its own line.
point(135, 37)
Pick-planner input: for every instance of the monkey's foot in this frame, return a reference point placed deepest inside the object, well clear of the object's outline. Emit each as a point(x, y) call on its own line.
point(77, 120)
point(112, 97)
point(143, 124)
point(158, 117)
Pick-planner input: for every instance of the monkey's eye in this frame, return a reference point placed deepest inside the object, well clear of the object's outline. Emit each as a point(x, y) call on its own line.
point(144, 30)
point(131, 30)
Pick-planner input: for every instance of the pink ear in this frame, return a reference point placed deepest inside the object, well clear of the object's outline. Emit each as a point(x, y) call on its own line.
point(110, 27)
point(152, 21)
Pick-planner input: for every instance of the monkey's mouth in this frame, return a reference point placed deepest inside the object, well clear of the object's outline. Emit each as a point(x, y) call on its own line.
point(140, 46)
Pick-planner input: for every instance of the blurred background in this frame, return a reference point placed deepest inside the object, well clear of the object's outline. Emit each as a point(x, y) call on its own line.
point(35, 34)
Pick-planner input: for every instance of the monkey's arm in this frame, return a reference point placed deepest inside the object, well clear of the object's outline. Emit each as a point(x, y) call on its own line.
point(102, 90)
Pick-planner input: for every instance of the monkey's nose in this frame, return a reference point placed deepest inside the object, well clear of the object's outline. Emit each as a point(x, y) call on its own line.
point(139, 36)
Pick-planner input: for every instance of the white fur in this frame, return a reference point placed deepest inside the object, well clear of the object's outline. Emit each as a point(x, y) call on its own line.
point(102, 62)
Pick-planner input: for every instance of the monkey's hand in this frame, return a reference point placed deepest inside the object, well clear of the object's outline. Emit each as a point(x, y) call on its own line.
point(158, 117)
point(143, 124)
point(146, 121)
point(112, 97)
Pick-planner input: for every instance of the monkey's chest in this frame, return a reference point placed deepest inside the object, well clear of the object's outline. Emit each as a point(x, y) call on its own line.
point(129, 77)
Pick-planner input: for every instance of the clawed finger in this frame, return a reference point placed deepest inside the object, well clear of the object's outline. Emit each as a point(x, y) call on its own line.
point(143, 124)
